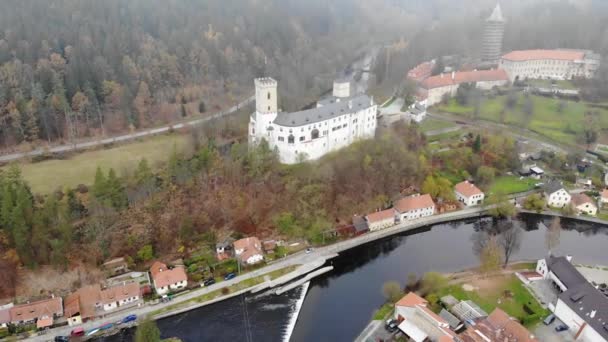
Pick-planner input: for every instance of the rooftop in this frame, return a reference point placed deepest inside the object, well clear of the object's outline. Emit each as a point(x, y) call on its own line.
point(565, 271)
point(360, 224)
point(530, 55)
point(265, 81)
point(605, 193)
point(414, 202)
point(498, 326)
point(381, 215)
point(39, 309)
point(83, 301)
point(590, 304)
point(248, 242)
point(163, 276)
point(579, 199)
point(121, 292)
point(496, 15)
point(553, 186)
point(325, 112)
point(444, 80)
point(467, 189)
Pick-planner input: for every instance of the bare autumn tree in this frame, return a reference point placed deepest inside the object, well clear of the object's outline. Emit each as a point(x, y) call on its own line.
point(553, 234)
point(510, 241)
point(490, 257)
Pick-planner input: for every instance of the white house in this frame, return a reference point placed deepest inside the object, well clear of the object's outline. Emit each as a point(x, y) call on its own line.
point(249, 250)
point(584, 204)
point(579, 305)
point(381, 219)
point(336, 122)
point(414, 207)
point(468, 194)
point(5, 315)
point(556, 195)
point(166, 280)
point(419, 323)
point(117, 296)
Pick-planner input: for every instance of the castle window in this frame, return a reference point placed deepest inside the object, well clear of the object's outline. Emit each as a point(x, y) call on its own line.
point(302, 138)
point(281, 139)
point(269, 95)
point(291, 139)
point(269, 108)
point(314, 134)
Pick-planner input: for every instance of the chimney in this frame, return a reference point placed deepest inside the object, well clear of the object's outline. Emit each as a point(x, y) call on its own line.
point(453, 75)
point(350, 104)
point(592, 315)
point(569, 258)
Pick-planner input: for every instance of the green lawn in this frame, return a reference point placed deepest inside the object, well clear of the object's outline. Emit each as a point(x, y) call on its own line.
point(562, 84)
point(509, 294)
point(546, 120)
point(511, 185)
point(50, 175)
point(434, 124)
point(384, 311)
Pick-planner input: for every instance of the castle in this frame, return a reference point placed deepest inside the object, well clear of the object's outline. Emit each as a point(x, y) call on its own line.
point(334, 123)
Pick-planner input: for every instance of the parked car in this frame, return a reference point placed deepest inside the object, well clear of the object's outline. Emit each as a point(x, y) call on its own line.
point(129, 318)
point(391, 325)
point(229, 276)
point(208, 282)
point(77, 332)
point(561, 327)
point(62, 339)
point(308, 250)
point(549, 319)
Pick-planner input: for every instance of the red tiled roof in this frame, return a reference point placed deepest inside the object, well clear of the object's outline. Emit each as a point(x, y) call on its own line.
point(381, 215)
point(414, 202)
point(421, 71)
point(445, 80)
point(44, 322)
point(250, 242)
point(411, 299)
point(163, 276)
point(249, 252)
point(497, 327)
point(531, 274)
point(121, 292)
point(605, 194)
point(530, 55)
point(579, 199)
point(42, 308)
point(467, 189)
point(83, 301)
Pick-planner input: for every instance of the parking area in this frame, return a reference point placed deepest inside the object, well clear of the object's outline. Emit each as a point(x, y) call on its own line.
point(544, 291)
point(547, 333)
point(376, 332)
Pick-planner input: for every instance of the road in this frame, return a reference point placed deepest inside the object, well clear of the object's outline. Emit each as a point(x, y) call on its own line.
point(123, 138)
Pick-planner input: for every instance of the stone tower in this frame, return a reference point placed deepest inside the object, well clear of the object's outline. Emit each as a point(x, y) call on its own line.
point(266, 95)
point(492, 37)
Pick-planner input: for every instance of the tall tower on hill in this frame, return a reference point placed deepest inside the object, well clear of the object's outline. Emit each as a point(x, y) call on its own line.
point(492, 37)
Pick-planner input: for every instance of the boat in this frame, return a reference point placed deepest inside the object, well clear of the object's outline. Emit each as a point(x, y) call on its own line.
point(91, 332)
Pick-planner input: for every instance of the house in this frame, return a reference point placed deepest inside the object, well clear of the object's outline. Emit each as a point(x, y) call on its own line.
point(380, 219)
point(83, 304)
point(269, 246)
point(497, 327)
point(468, 193)
point(115, 266)
point(421, 72)
point(604, 197)
point(360, 225)
point(556, 195)
point(165, 279)
point(419, 323)
point(434, 88)
point(42, 312)
point(117, 296)
point(5, 315)
point(416, 112)
point(223, 249)
point(585, 182)
point(584, 204)
point(249, 250)
point(578, 304)
point(415, 206)
point(537, 172)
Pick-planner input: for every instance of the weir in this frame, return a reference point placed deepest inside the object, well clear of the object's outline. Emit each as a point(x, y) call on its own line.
point(307, 278)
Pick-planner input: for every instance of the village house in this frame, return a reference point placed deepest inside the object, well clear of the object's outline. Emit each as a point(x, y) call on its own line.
point(121, 295)
point(578, 304)
point(434, 88)
point(83, 304)
point(42, 312)
point(584, 204)
point(497, 327)
point(557, 196)
point(223, 249)
point(468, 193)
point(604, 198)
point(5, 315)
point(419, 323)
point(115, 266)
point(415, 206)
point(380, 219)
point(165, 279)
point(360, 225)
point(249, 250)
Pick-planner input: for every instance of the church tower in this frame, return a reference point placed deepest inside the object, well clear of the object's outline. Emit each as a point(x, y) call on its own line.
point(492, 37)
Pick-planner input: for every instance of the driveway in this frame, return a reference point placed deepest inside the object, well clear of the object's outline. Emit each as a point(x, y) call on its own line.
point(547, 333)
point(544, 290)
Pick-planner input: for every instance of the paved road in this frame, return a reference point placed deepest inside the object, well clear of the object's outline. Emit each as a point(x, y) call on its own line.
point(126, 137)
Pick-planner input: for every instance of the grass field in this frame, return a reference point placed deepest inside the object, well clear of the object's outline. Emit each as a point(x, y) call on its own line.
point(511, 185)
point(562, 84)
point(434, 124)
point(505, 292)
point(50, 175)
point(546, 120)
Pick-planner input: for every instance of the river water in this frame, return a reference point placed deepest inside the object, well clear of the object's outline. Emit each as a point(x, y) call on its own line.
point(338, 305)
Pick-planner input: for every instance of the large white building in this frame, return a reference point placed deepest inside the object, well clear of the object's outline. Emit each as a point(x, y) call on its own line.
point(434, 88)
point(557, 196)
point(549, 64)
point(336, 122)
point(579, 304)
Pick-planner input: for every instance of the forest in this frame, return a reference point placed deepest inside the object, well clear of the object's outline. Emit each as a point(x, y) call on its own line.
point(71, 69)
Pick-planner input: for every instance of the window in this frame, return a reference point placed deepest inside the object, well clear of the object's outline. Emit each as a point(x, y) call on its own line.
point(269, 108)
point(302, 138)
point(314, 134)
point(290, 139)
point(281, 139)
point(269, 95)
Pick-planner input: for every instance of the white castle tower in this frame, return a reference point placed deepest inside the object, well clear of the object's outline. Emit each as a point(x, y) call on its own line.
point(266, 108)
point(492, 36)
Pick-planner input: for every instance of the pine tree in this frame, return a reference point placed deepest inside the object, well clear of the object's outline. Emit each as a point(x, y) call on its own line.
point(100, 185)
point(116, 192)
point(477, 144)
point(184, 112)
point(201, 107)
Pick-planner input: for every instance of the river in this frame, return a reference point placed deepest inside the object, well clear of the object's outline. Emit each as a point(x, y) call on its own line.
point(338, 305)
